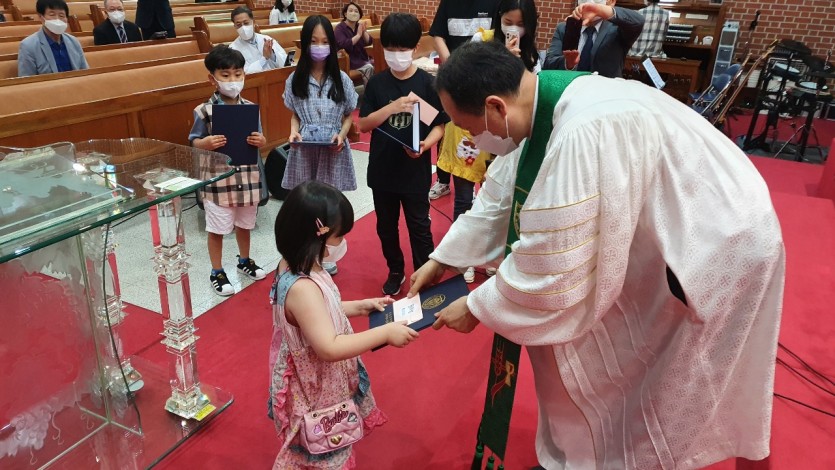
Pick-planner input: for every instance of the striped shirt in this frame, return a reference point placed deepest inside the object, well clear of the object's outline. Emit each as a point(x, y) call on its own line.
point(651, 40)
point(242, 188)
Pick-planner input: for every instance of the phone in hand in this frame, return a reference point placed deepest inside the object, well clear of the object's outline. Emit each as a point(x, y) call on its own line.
point(511, 36)
point(571, 39)
point(290, 56)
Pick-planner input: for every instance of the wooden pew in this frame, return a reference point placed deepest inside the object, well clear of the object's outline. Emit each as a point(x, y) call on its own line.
point(154, 102)
point(8, 68)
point(10, 22)
point(11, 44)
point(19, 29)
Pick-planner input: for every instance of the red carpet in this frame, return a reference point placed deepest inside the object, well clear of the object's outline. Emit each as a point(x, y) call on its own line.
point(433, 390)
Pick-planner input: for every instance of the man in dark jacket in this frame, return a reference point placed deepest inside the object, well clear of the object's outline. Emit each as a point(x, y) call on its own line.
point(116, 30)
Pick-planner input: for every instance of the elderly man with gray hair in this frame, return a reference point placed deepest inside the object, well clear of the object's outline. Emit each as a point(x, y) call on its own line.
point(116, 29)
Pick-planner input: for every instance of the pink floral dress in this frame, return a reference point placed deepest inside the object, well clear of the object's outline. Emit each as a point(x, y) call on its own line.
point(301, 382)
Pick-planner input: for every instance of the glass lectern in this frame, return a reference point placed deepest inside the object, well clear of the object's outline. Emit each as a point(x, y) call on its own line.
point(69, 396)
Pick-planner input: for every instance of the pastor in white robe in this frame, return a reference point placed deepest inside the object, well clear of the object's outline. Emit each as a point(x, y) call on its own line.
point(626, 374)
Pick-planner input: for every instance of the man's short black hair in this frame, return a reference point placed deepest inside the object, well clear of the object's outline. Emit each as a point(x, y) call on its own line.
point(239, 10)
point(223, 57)
point(400, 30)
point(345, 9)
point(42, 5)
point(477, 70)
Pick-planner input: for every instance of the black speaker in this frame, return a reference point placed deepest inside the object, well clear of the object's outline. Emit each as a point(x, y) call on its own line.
point(274, 171)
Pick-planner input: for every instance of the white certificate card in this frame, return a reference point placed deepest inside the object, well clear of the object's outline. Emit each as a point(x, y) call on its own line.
point(408, 310)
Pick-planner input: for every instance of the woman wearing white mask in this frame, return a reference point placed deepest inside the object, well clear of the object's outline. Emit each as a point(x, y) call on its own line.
point(50, 49)
point(517, 20)
point(283, 12)
point(260, 51)
point(352, 36)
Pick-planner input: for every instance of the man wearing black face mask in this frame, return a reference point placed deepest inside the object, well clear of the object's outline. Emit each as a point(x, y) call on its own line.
point(643, 268)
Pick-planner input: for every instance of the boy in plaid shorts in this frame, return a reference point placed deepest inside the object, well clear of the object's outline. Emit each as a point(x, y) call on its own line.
point(232, 203)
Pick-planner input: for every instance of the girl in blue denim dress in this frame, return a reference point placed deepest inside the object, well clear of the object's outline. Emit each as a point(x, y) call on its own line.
point(321, 98)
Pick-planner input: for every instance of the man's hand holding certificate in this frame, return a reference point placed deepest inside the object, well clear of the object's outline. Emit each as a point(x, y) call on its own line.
point(455, 315)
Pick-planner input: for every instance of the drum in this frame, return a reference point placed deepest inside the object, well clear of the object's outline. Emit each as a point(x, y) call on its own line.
point(783, 70)
point(811, 87)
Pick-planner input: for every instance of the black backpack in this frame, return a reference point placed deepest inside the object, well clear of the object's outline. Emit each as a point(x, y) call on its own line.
point(274, 171)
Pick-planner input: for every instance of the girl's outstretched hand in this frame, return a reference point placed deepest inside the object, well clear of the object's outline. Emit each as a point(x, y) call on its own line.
point(399, 335)
point(376, 304)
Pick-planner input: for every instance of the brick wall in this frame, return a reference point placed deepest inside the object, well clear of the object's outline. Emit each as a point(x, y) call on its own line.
point(809, 21)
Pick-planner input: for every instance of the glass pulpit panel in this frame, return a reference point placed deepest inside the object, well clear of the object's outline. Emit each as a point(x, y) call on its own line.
point(70, 397)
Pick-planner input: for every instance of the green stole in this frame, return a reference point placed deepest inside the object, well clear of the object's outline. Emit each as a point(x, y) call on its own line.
point(504, 361)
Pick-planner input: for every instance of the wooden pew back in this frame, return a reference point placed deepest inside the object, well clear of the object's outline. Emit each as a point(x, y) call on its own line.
point(150, 102)
point(22, 30)
point(124, 62)
point(11, 44)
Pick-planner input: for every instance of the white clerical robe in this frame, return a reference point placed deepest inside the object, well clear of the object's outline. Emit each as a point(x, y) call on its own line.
point(626, 375)
point(254, 54)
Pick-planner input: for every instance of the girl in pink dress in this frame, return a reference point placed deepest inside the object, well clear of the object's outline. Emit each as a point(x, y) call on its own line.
point(314, 355)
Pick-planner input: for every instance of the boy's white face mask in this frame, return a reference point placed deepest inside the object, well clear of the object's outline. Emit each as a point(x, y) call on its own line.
point(230, 89)
point(398, 61)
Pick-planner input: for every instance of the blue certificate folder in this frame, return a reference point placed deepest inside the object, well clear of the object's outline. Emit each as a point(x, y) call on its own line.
point(236, 123)
point(432, 300)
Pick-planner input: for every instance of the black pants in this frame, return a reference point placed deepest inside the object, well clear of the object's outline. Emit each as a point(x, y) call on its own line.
point(464, 190)
point(416, 210)
point(443, 176)
point(156, 26)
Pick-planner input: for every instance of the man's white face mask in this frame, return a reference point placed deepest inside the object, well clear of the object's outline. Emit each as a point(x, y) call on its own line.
point(246, 31)
point(56, 26)
point(116, 17)
point(491, 143)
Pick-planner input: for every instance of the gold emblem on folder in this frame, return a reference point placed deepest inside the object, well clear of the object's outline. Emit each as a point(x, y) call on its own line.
point(433, 302)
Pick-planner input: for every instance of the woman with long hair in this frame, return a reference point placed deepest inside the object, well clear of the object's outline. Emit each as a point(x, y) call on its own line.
point(284, 11)
point(515, 26)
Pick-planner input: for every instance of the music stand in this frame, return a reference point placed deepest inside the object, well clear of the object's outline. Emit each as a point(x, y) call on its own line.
point(808, 102)
point(776, 102)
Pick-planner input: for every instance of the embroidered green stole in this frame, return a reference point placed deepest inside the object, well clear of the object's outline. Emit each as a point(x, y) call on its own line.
point(504, 361)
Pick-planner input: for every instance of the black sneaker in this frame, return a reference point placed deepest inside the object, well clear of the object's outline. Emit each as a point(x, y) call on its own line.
point(393, 283)
point(251, 270)
point(221, 284)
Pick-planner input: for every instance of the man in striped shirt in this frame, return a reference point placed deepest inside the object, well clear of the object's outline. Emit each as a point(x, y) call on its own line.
point(651, 40)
